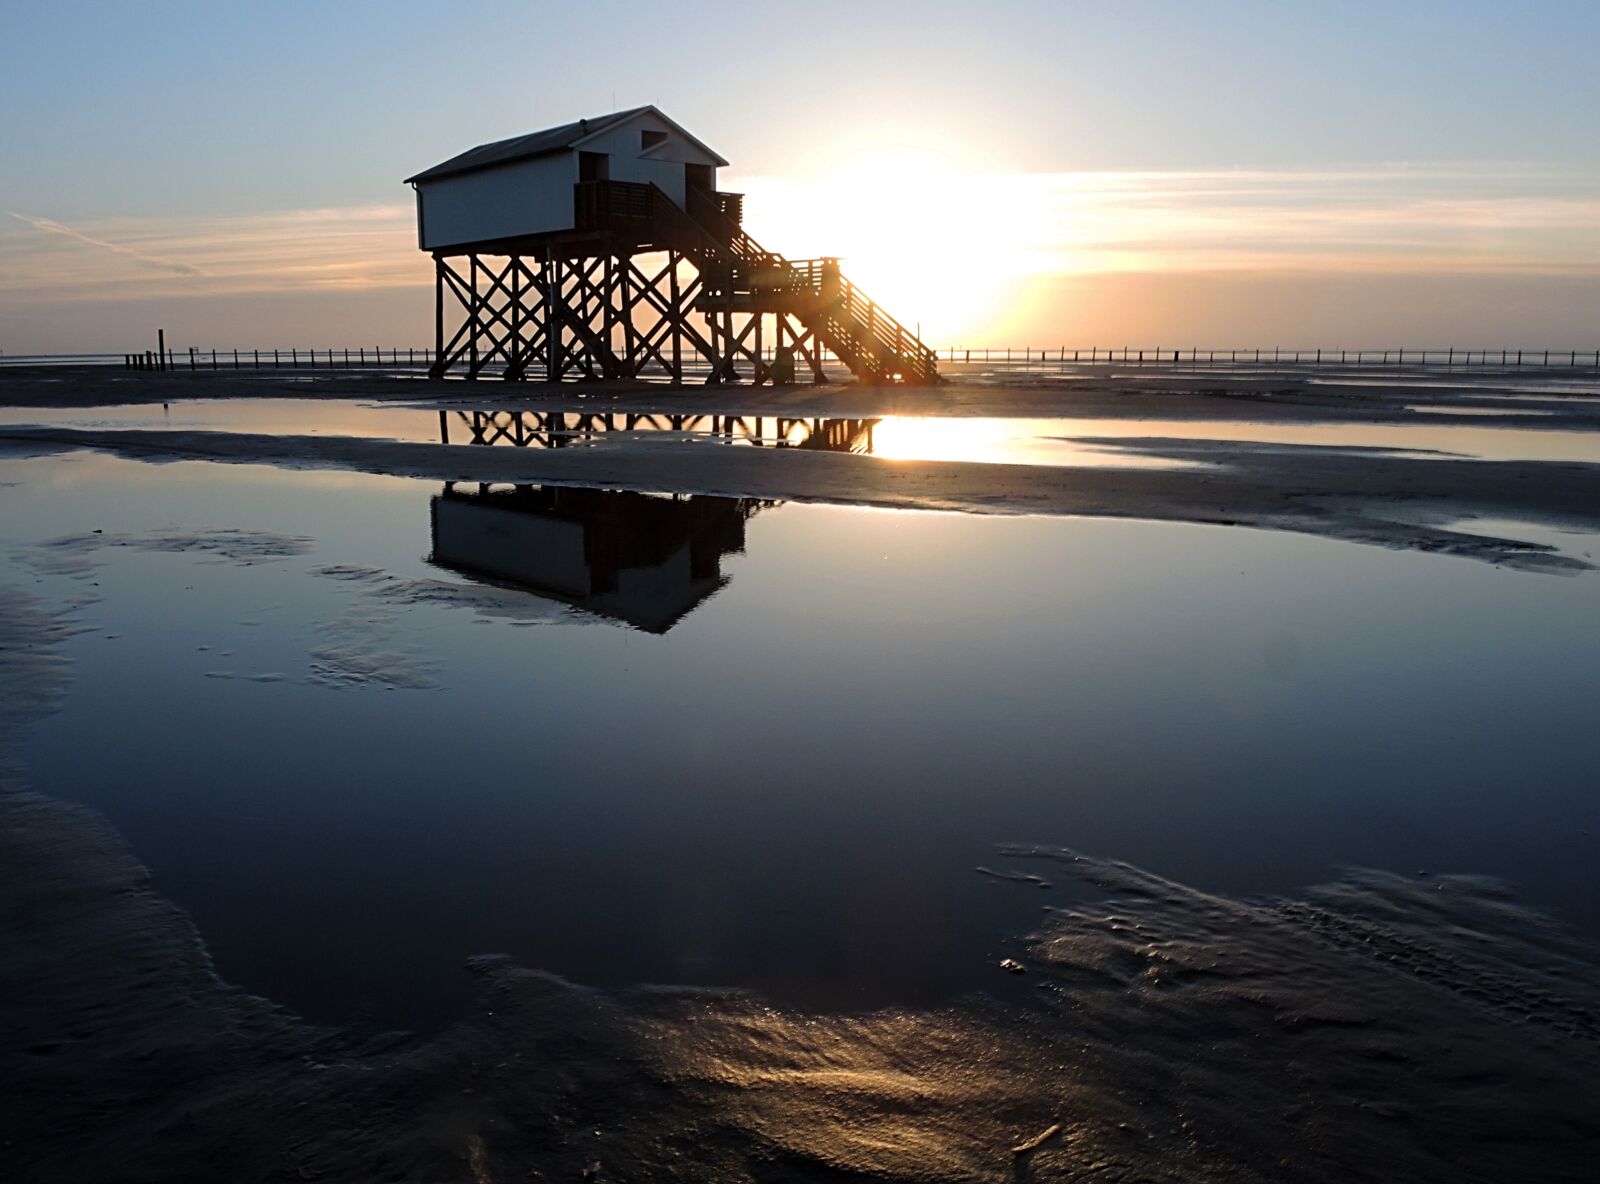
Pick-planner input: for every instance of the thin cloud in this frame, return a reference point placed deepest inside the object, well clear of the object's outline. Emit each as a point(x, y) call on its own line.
point(1495, 218)
point(286, 252)
point(49, 226)
point(1491, 219)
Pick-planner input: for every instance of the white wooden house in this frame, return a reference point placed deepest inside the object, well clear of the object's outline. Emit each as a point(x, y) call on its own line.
point(521, 187)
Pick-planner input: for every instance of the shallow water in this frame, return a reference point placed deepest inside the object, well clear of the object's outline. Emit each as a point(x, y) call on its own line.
point(719, 741)
point(1028, 441)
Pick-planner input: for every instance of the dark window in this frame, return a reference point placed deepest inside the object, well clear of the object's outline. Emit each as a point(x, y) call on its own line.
point(593, 166)
point(698, 176)
point(648, 139)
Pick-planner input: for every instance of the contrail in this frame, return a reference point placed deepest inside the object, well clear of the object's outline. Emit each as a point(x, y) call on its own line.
point(51, 227)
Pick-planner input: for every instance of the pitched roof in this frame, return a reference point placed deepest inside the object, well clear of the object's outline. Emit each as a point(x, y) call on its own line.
point(551, 139)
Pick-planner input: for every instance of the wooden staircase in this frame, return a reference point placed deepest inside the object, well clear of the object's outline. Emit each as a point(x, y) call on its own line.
point(737, 274)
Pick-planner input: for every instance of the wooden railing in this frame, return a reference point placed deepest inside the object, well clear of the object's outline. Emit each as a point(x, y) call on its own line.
point(353, 358)
point(1446, 359)
point(889, 334)
point(883, 343)
point(597, 204)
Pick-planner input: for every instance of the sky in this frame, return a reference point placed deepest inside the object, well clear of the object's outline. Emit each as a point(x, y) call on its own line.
point(1415, 173)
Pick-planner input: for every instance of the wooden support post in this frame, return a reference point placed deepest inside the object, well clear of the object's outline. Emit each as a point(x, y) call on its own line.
point(513, 370)
point(551, 270)
point(630, 331)
point(676, 301)
point(437, 369)
point(472, 313)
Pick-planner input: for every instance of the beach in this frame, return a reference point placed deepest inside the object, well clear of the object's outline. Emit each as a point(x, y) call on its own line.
point(1147, 1028)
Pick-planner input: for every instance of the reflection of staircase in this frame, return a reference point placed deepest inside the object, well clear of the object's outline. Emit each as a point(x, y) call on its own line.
point(738, 275)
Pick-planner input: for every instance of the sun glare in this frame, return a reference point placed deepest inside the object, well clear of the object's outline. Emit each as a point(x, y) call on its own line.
point(920, 234)
point(918, 438)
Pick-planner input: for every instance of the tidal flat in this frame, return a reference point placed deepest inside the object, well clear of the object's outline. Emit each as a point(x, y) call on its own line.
point(402, 782)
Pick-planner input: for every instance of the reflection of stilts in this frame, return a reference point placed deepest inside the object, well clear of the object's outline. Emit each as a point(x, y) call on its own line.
point(556, 429)
point(644, 559)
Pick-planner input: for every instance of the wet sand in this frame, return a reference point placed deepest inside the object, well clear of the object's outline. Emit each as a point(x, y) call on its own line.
point(1390, 498)
point(1396, 498)
point(1379, 1028)
point(1555, 399)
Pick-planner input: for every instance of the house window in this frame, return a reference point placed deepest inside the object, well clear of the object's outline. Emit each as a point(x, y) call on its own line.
point(649, 139)
point(594, 166)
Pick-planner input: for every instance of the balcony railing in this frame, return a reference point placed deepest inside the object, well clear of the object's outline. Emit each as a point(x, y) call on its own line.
point(598, 205)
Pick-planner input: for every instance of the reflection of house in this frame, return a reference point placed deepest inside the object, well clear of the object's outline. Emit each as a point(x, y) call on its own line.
point(644, 559)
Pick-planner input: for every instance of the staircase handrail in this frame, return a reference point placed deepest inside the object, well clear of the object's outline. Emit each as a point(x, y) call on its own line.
point(727, 247)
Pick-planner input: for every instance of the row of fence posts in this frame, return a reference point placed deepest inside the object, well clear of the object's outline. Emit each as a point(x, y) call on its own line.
point(199, 359)
point(1234, 357)
point(162, 358)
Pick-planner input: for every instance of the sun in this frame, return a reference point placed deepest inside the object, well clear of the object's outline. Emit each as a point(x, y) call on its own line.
point(919, 233)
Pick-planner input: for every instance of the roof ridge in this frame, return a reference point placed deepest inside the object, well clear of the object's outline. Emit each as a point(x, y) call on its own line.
point(539, 143)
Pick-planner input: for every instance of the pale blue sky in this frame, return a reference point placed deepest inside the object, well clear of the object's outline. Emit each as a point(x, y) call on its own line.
point(121, 119)
point(169, 107)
